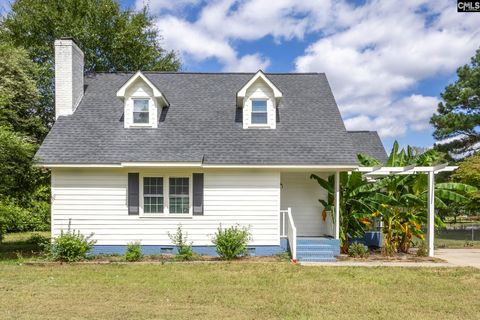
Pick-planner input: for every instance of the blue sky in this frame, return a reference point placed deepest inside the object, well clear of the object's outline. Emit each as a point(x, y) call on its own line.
point(387, 61)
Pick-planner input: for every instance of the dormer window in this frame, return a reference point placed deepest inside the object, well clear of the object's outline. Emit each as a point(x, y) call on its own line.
point(259, 99)
point(259, 112)
point(141, 111)
point(143, 102)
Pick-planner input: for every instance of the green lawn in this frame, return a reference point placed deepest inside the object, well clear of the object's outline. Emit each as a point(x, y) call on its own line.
point(235, 290)
point(15, 245)
point(456, 243)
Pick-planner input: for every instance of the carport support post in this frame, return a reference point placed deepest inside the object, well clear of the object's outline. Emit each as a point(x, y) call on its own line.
point(337, 204)
point(431, 212)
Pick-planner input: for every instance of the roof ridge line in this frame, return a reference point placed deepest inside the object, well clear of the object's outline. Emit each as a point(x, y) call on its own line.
point(204, 72)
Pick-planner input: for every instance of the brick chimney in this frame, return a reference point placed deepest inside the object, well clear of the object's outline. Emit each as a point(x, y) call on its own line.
point(68, 76)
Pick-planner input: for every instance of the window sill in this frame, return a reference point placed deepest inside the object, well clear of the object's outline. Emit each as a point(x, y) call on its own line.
point(166, 216)
point(259, 126)
point(138, 125)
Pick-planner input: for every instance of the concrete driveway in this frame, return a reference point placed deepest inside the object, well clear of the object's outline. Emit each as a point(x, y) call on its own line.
point(460, 257)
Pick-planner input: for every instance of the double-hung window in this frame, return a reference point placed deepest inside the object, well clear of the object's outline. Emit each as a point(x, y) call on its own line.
point(153, 195)
point(179, 196)
point(141, 111)
point(259, 112)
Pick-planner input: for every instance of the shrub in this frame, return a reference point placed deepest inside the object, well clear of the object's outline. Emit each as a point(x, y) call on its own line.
point(358, 250)
point(422, 250)
point(232, 242)
point(71, 246)
point(180, 240)
point(15, 218)
point(134, 252)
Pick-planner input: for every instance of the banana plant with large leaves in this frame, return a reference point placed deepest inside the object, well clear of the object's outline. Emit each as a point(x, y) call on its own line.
point(400, 201)
point(404, 202)
point(355, 209)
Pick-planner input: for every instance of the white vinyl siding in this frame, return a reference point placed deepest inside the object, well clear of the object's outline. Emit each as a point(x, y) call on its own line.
point(96, 201)
point(301, 194)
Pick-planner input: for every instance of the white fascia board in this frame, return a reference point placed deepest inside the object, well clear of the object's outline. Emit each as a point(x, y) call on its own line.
point(200, 165)
point(315, 167)
point(156, 93)
point(79, 165)
point(243, 91)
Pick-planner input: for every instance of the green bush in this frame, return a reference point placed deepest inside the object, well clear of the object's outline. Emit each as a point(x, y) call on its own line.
point(15, 218)
point(232, 242)
point(71, 246)
point(358, 250)
point(180, 240)
point(422, 250)
point(134, 252)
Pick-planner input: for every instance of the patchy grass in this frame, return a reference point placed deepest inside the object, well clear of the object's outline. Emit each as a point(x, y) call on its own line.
point(235, 291)
point(455, 243)
point(17, 244)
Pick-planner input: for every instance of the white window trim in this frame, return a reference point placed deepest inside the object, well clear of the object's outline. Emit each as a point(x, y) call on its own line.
point(259, 125)
point(150, 111)
point(166, 197)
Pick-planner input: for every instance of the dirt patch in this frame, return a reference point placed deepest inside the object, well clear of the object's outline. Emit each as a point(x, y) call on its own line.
point(160, 258)
point(399, 257)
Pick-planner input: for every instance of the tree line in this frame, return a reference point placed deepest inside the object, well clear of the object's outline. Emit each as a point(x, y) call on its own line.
point(112, 39)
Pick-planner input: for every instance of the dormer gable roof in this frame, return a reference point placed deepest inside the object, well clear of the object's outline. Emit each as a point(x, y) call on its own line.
point(139, 75)
point(259, 75)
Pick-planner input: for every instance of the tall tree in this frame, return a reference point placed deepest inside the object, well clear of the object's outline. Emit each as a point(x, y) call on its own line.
point(19, 95)
point(18, 178)
point(112, 39)
point(458, 116)
point(469, 172)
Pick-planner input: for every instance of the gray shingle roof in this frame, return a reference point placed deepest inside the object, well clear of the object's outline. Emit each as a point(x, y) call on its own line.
point(202, 123)
point(368, 142)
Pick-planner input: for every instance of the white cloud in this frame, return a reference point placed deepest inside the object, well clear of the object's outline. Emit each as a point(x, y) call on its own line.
point(386, 48)
point(248, 63)
point(187, 39)
point(411, 113)
point(194, 43)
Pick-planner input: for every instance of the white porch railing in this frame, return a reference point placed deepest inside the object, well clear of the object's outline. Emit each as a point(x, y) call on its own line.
point(288, 230)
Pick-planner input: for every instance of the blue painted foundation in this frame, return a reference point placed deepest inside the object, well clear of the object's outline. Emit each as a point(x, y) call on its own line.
point(202, 250)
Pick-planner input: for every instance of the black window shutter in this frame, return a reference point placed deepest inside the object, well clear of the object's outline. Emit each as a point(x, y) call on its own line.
point(133, 193)
point(198, 194)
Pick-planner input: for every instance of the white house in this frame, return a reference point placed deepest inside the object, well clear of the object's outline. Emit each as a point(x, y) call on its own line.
point(134, 155)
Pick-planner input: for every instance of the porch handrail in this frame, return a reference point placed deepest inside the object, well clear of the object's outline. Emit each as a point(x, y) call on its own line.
point(292, 234)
